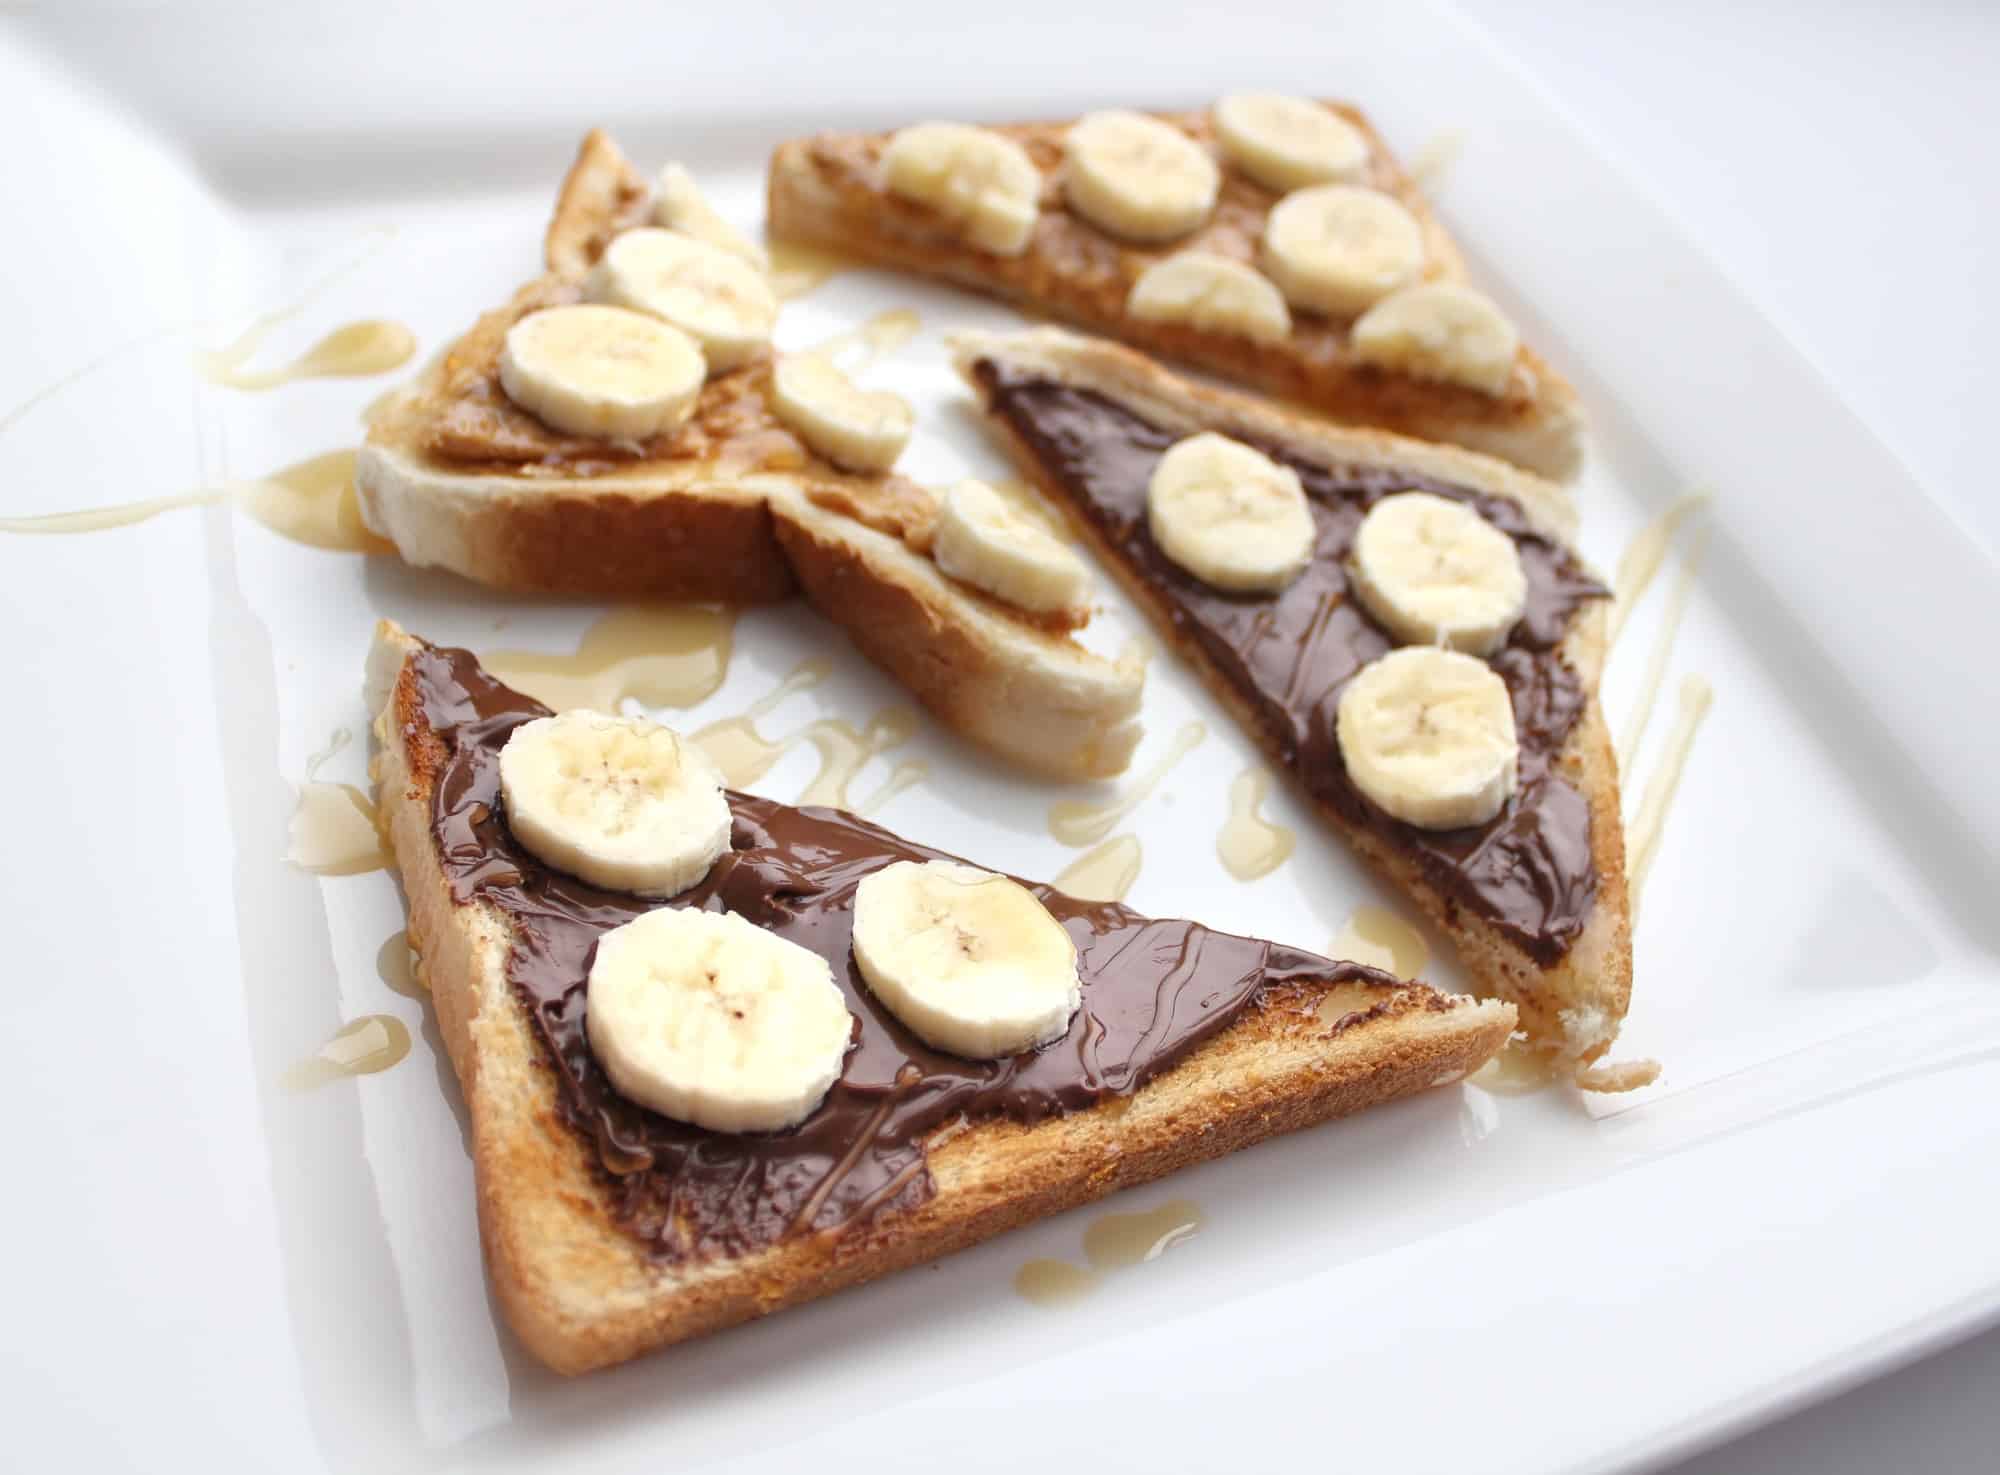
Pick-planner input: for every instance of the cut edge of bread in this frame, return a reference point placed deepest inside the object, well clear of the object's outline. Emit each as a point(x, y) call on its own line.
point(1571, 1010)
point(582, 1293)
point(1546, 438)
point(681, 530)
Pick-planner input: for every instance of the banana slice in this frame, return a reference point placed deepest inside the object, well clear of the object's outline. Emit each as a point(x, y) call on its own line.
point(1138, 177)
point(970, 961)
point(1230, 515)
point(1428, 735)
point(1211, 293)
point(1435, 572)
point(709, 1019)
point(701, 289)
point(620, 801)
point(982, 180)
point(1440, 330)
point(601, 371)
point(679, 205)
point(986, 543)
point(1287, 143)
point(1335, 248)
point(859, 429)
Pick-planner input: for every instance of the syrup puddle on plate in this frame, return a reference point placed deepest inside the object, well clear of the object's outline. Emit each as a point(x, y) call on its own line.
point(1251, 846)
point(1376, 937)
point(400, 969)
point(1640, 562)
point(1663, 648)
point(1112, 1242)
point(335, 830)
point(1105, 873)
point(659, 655)
point(1642, 840)
point(857, 348)
point(1083, 822)
point(743, 755)
point(363, 1047)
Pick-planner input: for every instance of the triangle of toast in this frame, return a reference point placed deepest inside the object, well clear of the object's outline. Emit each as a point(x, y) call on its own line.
point(831, 190)
point(1535, 901)
point(729, 507)
point(609, 1231)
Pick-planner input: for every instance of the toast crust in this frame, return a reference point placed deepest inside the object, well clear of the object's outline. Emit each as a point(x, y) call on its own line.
point(1571, 1009)
point(831, 190)
point(583, 1293)
point(461, 479)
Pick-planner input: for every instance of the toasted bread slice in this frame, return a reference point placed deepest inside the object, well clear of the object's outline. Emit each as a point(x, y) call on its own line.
point(729, 507)
point(1570, 974)
point(587, 1280)
point(831, 189)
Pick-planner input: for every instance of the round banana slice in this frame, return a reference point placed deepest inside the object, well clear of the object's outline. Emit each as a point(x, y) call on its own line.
point(859, 429)
point(1335, 248)
point(679, 205)
point(1211, 293)
point(1434, 572)
point(709, 1019)
point(713, 297)
point(620, 801)
point(1440, 330)
point(1138, 177)
point(970, 961)
point(1230, 515)
point(981, 180)
point(1428, 735)
point(601, 371)
point(1287, 143)
point(983, 541)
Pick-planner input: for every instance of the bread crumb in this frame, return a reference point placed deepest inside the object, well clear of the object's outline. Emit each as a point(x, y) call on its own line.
point(1627, 1075)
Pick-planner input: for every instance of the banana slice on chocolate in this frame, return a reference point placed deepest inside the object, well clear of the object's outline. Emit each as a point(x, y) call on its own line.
point(1432, 571)
point(981, 180)
point(1428, 736)
point(969, 960)
point(1443, 331)
point(709, 1019)
point(601, 371)
point(1288, 143)
point(1138, 177)
point(981, 540)
point(1230, 515)
point(1337, 249)
point(622, 802)
point(1213, 294)
point(717, 299)
point(858, 429)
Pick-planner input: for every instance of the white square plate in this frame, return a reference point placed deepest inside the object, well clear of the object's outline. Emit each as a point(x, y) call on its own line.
point(206, 1262)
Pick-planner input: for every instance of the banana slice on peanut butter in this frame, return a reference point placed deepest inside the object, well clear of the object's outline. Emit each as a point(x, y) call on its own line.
point(1138, 177)
point(1337, 249)
point(717, 299)
point(601, 371)
point(1288, 143)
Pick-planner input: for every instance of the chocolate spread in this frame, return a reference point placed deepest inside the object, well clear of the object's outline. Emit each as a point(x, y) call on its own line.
point(1529, 871)
point(1152, 992)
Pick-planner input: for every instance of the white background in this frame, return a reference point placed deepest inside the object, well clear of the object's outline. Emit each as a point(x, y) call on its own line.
point(1838, 162)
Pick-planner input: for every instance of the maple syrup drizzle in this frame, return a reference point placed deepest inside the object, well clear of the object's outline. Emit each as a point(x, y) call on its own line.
point(1082, 822)
point(1105, 873)
point(797, 268)
point(335, 830)
point(1251, 846)
point(1112, 1243)
point(1640, 562)
point(1642, 837)
point(351, 351)
point(659, 655)
point(857, 348)
point(1663, 648)
point(400, 969)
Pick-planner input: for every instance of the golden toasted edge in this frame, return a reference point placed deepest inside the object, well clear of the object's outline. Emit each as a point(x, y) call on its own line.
point(582, 1294)
point(1031, 695)
point(601, 195)
point(1545, 435)
point(1573, 1009)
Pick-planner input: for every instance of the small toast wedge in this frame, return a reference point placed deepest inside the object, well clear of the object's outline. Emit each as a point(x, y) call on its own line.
point(833, 190)
point(1535, 900)
point(609, 1231)
point(729, 507)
